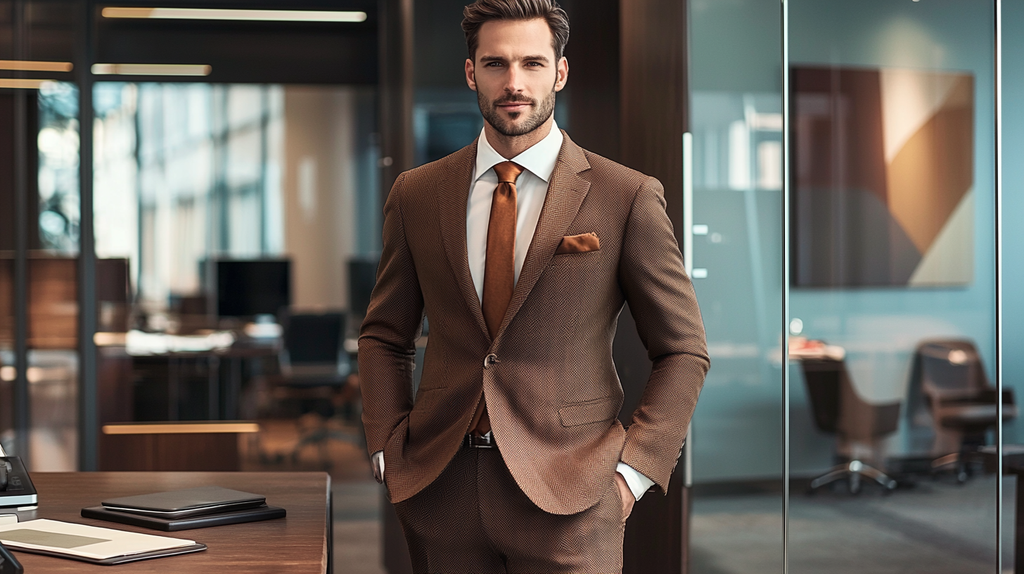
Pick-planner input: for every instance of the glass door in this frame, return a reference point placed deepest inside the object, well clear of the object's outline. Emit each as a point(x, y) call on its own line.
point(893, 400)
point(733, 246)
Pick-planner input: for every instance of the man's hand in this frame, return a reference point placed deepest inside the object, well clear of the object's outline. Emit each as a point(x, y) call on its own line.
point(628, 500)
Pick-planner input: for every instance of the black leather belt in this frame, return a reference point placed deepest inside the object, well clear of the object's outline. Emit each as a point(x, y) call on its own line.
point(480, 441)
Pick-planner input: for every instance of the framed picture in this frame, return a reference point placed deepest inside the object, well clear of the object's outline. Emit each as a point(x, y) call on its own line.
point(882, 177)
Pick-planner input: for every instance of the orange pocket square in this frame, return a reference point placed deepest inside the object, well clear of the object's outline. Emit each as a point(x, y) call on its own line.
point(581, 243)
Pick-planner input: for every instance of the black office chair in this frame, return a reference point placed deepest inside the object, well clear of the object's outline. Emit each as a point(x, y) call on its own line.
point(963, 404)
point(315, 371)
point(838, 409)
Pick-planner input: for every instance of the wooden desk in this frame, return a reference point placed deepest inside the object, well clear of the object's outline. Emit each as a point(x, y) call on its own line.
point(300, 543)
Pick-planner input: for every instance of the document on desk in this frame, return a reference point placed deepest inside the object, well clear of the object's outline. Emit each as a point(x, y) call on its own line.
point(91, 543)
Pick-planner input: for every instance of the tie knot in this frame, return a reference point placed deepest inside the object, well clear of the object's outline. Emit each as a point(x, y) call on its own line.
point(508, 172)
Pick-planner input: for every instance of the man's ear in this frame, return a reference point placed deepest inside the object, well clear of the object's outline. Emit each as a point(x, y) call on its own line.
point(470, 74)
point(562, 74)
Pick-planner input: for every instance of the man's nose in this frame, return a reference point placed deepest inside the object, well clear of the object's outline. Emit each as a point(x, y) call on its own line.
point(513, 80)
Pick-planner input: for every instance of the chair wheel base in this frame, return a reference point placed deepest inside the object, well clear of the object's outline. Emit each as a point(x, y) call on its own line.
point(853, 472)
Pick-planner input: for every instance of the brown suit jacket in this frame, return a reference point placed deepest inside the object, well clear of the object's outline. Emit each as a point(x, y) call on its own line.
point(551, 388)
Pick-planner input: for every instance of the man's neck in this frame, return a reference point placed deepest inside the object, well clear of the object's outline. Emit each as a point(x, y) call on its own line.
point(511, 146)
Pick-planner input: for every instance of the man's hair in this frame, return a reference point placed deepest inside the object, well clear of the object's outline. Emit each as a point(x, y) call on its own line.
point(481, 11)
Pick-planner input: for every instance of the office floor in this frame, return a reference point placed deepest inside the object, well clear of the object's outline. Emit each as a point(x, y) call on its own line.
point(937, 527)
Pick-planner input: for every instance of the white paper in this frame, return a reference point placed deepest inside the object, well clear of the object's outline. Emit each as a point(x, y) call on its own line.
point(81, 540)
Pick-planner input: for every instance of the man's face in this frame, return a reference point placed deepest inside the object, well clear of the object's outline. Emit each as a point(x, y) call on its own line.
point(516, 74)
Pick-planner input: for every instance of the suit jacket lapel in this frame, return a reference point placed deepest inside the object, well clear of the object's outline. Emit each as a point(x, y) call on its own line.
point(566, 192)
point(453, 199)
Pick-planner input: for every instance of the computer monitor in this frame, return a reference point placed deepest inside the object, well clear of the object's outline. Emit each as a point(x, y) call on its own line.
point(253, 287)
point(362, 277)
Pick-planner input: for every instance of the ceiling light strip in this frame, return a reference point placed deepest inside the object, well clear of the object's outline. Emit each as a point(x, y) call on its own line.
point(152, 69)
point(20, 84)
point(242, 15)
point(33, 66)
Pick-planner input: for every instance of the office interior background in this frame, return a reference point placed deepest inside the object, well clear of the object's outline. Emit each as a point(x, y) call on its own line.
point(185, 204)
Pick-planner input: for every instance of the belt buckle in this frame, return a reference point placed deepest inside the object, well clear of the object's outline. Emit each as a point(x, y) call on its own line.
point(480, 441)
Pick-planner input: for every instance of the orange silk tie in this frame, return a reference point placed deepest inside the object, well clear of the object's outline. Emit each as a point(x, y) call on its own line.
point(500, 264)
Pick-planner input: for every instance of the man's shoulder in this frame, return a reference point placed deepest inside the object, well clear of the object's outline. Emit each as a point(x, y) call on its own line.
point(612, 174)
point(457, 162)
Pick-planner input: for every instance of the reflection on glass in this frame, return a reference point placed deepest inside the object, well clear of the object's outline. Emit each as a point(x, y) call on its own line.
point(893, 280)
point(58, 168)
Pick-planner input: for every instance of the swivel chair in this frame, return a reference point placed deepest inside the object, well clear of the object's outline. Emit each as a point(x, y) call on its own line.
point(315, 371)
point(963, 404)
point(838, 409)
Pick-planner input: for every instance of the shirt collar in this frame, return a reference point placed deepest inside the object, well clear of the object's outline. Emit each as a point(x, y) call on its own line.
point(539, 159)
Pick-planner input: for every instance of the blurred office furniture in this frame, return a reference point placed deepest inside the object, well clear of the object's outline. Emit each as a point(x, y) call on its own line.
point(949, 381)
point(247, 288)
point(362, 277)
point(173, 446)
point(838, 409)
point(191, 311)
point(53, 299)
point(315, 374)
point(195, 377)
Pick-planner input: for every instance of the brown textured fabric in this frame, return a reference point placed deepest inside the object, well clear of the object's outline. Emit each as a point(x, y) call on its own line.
point(500, 264)
point(474, 519)
point(581, 243)
point(552, 391)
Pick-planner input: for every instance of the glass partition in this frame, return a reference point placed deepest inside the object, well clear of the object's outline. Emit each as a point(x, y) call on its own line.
point(39, 235)
point(1012, 305)
point(893, 403)
point(735, 252)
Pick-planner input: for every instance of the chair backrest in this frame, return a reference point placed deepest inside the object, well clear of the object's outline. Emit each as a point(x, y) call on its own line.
point(837, 406)
point(822, 378)
point(314, 339)
point(949, 367)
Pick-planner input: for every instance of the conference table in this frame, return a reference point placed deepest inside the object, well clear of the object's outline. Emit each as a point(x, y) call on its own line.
point(299, 543)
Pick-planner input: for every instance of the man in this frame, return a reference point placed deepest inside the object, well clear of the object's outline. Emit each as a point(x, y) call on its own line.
point(521, 250)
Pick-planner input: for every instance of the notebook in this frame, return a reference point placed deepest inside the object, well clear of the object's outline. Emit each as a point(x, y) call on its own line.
point(263, 512)
point(198, 501)
point(91, 543)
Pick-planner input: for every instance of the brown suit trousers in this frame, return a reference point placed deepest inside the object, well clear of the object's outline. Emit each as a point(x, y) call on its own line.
point(552, 392)
point(474, 519)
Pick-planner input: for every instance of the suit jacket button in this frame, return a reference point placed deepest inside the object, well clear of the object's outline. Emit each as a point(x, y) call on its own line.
point(490, 360)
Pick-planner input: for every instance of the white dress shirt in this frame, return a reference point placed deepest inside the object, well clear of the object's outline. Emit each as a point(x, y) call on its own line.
point(538, 162)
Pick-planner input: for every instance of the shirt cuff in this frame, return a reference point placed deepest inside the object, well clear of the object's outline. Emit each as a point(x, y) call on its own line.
point(637, 483)
point(378, 466)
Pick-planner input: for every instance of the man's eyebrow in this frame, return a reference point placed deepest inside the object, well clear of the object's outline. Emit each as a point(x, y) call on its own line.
point(537, 58)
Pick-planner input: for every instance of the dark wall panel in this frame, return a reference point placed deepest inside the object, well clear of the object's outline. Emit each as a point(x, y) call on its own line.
point(652, 120)
point(593, 88)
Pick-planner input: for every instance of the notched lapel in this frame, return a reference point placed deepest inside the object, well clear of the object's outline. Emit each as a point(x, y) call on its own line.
point(453, 199)
point(566, 192)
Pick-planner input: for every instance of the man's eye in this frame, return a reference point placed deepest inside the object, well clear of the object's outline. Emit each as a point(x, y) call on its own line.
point(493, 64)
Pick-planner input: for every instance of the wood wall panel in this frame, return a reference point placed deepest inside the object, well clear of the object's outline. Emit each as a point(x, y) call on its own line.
point(653, 117)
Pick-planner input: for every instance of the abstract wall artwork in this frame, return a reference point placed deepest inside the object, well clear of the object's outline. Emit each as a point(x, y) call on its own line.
point(882, 177)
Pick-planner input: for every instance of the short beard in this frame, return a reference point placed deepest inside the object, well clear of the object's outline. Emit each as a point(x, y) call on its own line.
point(536, 119)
